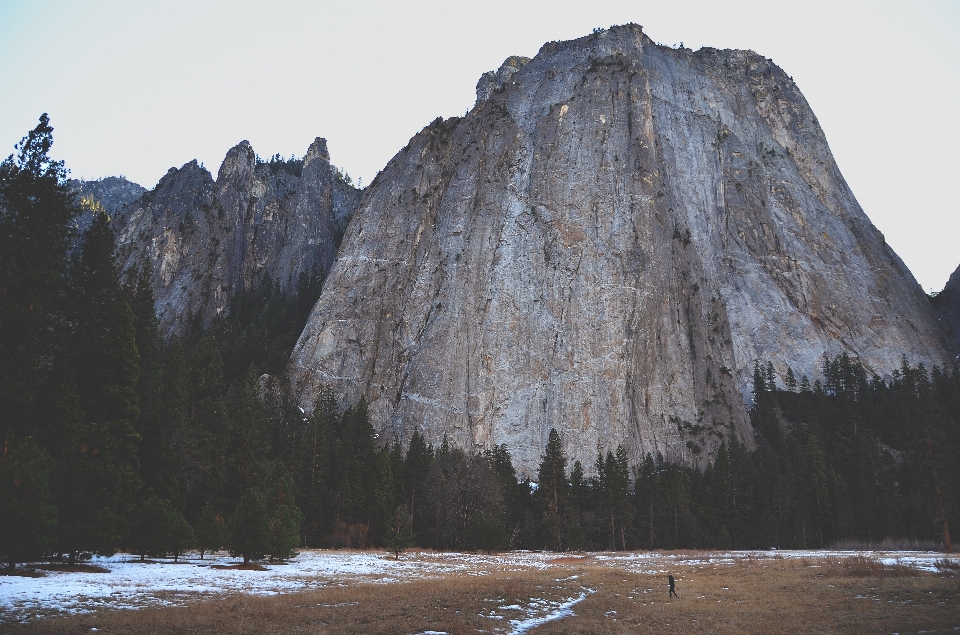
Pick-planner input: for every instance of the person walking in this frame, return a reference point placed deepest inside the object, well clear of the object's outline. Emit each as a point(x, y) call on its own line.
point(673, 587)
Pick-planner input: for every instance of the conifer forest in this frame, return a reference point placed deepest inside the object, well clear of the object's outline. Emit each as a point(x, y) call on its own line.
point(114, 439)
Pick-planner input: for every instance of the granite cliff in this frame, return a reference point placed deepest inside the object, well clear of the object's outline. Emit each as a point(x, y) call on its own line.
point(605, 244)
point(113, 193)
point(208, 239)
point(947, 303)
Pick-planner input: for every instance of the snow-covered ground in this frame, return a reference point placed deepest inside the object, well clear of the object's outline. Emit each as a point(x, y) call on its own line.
point(657, 561)
point(132, 584)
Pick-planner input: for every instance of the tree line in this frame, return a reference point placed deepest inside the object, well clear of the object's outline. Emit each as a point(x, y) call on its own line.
point(114, 439)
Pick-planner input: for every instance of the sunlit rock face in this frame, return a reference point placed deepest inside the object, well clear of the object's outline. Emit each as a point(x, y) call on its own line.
point(208, 239)
point(112, 193)
point(604, 245)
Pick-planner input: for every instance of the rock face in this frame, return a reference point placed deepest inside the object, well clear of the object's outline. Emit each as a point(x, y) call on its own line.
point(112, 192)
point(208, 239)
point(604, 245)
point(947, 303)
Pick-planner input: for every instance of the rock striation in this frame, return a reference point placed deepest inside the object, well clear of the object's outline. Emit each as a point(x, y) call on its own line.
point(208, 239)
point(605, 244)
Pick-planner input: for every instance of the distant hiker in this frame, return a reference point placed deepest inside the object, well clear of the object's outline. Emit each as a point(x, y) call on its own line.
point(673, 587)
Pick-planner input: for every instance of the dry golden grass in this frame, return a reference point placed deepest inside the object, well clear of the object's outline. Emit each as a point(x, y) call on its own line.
point(76, 568)
point(768, 596)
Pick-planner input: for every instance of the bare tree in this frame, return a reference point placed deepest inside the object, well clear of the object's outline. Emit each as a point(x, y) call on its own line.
point(466, 498)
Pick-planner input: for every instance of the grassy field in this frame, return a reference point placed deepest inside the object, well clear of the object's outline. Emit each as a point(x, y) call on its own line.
point(819, 594)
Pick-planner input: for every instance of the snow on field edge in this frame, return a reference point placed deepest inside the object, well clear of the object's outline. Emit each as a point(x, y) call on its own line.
point(132, 584)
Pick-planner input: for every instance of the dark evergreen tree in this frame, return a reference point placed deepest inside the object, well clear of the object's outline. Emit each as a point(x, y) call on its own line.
point(158, 468)
point(36, 213)
point(249, 528)
point(400, 536)
point(552, 495)
point(247, 445)
point(158, 529)
point(416, 467)
point(203, 435)
point(312, 469)
point(516, 494)
point(28, 518)
point(210, 530)
point(613, 488)
point(646, 488)
point(97, 458)
point(285, 517)
point(582, 505)
point(791, 381)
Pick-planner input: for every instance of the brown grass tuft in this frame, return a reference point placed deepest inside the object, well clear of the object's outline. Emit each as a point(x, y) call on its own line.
point(22, 573)
point(863, 567)
point(250, 566)
point(569, 560)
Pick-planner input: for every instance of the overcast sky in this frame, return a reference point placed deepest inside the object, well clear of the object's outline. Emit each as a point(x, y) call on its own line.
point(134, 87)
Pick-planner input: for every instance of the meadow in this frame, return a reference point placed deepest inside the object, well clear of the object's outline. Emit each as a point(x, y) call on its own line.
point(370, 592)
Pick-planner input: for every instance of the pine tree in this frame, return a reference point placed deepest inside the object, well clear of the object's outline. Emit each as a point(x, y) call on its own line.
point(400, 535)
point(771, 378)
point(645, 487)
point(313, 464)
point(791, 381)
point(249, 528)
point(725, 496)
point(98, 455)
point(759, 381)
point(203, 434)
point(180, 440)
point(210, 530)
point(248, 444)
point(181, 535)
point(817, 487)
point(613, 480)
point(552, 496)
point(515, 493)
point(36, 212)
point(381, 494)
point(158, 469)
point(416, 467)
point(27, 517)
point(285, 519)
point(158, 529)
point(675, 488)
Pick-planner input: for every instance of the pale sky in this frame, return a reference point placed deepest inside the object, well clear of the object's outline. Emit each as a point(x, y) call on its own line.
point(135, 87)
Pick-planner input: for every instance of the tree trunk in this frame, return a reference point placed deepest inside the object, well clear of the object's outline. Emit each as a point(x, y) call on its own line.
point(613, 533)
